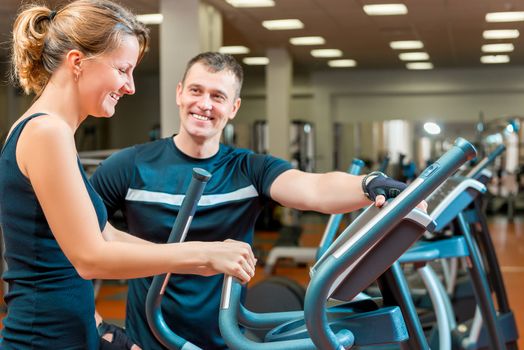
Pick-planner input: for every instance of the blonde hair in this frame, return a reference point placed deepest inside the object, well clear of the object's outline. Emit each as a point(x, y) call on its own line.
point(42, 38)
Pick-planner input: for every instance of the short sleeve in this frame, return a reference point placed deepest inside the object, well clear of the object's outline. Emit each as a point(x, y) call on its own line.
point(265, 169)
point(112, 178)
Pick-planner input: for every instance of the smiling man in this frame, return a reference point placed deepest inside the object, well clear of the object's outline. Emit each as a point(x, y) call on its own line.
point(147, 183)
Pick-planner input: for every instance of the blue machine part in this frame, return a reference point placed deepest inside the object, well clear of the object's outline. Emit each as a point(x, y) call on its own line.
point(155, 319)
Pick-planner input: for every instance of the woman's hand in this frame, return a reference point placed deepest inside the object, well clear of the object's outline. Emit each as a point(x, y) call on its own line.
point(232, 258)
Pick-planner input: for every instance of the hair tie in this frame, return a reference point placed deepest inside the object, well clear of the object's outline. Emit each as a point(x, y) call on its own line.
point(52, 15)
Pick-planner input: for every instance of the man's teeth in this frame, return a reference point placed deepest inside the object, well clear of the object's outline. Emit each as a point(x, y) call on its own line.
point(200, 117)
point(115, 96)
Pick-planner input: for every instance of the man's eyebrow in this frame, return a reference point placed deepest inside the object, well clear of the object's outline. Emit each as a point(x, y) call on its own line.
point(216, 91)
point(221, 92)
point(194, 85)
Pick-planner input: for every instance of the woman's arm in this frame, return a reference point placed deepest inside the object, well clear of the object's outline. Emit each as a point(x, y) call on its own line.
point(46, 154)
point(110, 233)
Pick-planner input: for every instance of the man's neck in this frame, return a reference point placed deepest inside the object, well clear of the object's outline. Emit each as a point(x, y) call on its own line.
point(196, 148)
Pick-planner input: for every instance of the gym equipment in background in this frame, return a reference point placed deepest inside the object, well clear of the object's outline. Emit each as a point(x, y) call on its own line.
point(302, 142)
point(457, 203)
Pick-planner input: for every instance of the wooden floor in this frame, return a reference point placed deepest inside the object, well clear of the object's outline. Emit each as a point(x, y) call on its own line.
point(507, 236)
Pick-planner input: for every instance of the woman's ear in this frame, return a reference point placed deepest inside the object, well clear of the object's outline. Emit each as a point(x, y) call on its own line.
point(74, 60)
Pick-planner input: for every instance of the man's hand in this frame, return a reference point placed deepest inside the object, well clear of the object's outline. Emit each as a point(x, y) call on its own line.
point(378, 187)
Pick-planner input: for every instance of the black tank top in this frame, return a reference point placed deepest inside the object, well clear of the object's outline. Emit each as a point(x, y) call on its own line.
point(49, 305)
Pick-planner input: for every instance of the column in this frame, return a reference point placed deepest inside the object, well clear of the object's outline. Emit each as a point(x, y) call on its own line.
point(324, 124)
point(188, 28)
point(279, 75)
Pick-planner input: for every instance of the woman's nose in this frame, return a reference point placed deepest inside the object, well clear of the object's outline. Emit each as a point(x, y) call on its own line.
point(129, 86)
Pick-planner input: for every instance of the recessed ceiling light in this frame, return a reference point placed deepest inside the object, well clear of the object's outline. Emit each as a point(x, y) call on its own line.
point(342, 63)
point(326, 53)
point(507, 47)
point(256, 61)
point(406, 45)
point(432, 128)
point(307, 40)
point(419, 65)
point(283, 24)
point(251, 3)
point(492, 59)
point(385, 9)
point(501, 34)
point(234, 50)
point(413, 56)
point(151, 18)
point(514, 16)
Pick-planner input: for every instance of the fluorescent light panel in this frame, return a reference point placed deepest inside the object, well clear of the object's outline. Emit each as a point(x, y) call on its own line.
point(507, 47)
point(406, 45)
point(342, 63)
point(256, 61)
point(494, 59)
point(419, 65)
point(413, 56)
point(326, 53)
point(514, 16)
point(234, 50)
point(283, 24)
point(501, 34)
point(307, 40)
point(251, 3)
point(385, 9)
point(150, 18)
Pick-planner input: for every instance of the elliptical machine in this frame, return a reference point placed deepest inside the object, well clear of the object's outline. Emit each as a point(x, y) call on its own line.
point(366, 251)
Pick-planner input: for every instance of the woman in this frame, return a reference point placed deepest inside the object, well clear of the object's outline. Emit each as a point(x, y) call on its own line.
point(78, 61)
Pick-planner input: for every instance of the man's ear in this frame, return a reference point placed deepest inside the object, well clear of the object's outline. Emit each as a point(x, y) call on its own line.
point(179, 89)
point(236, 107)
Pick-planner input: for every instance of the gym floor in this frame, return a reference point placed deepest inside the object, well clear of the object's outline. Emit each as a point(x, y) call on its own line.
point(508, 238)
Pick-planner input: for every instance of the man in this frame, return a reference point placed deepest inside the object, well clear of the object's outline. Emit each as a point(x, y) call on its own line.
point(146, 182)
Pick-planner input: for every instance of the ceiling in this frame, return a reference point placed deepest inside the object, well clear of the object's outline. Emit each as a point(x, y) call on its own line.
point(451, 30)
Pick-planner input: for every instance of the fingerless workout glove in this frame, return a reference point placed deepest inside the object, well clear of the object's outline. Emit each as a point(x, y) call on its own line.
point(377, 183)
point(120, 339)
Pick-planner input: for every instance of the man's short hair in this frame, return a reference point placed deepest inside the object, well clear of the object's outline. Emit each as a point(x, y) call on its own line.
point(217, 62)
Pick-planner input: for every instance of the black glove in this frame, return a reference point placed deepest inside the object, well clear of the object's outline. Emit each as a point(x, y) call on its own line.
point(376, 183)
point(120, 339)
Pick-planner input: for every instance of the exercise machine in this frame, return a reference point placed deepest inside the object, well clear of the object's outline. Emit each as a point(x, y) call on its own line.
point(366, 251)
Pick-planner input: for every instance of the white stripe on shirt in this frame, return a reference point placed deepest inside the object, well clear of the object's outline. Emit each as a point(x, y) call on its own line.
point(176, 199)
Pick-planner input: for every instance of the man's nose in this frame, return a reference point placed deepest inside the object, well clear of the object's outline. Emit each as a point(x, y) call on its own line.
point(205, 102)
